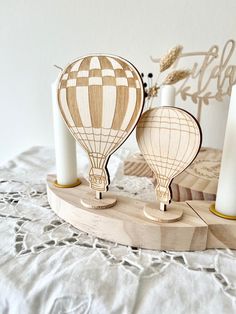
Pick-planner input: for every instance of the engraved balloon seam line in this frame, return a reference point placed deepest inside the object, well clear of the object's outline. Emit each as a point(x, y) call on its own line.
point(166, 128)
point(170, 175)
point(174, 121)
point(169, 129)
point(105, 178)
point(175, 169)
point(190, 158)
point(152, 165)
point(150, 157)
point(164, 119)
point(179, 141)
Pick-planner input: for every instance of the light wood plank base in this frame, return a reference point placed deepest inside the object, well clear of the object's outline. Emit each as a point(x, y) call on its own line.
point(126, 223)
point(221, 232)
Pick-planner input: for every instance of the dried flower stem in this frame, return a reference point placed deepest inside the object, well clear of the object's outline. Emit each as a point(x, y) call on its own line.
point(167, 60)
point(176, 76)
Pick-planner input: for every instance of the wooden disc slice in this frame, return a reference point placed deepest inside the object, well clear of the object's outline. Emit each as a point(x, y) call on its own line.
point(200, 180)
point(172, 214)
point(91, 202)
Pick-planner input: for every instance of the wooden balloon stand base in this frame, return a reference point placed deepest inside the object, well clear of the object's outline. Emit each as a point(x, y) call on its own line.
point(127, 223)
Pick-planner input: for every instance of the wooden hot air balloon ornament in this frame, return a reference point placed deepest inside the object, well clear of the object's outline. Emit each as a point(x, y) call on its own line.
point(101, 99)
point(169, 139)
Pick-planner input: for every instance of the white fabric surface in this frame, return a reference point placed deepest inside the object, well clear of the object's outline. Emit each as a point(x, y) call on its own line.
point(48, 266)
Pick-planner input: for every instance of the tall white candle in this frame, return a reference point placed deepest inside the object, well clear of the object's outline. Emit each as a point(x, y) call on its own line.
point(226, 192)
point(65, 146)
point(167, 95)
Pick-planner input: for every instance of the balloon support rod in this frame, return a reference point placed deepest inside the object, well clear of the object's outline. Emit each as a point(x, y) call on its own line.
point(98, 195)
point(162, 207)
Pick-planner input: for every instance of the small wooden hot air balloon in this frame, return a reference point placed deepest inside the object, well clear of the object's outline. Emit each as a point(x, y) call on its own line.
point(169, 139)
point(101, 99)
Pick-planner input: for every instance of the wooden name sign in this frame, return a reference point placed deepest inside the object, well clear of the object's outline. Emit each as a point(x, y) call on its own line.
point(101, 99)
point(212, 75)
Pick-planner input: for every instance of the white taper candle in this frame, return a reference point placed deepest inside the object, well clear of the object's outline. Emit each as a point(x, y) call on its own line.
point(167, 95)
point(226, 192)
point(65, 146)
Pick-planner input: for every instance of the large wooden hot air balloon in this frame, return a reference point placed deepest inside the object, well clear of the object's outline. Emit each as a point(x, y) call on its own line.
point(169, 139)
point(101, 99)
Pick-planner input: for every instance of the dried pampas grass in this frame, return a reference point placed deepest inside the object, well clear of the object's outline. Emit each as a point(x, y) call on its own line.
point(167, 60)
point(176, 76)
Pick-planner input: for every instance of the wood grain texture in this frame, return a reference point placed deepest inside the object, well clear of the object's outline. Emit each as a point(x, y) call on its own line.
point(221, 232)
point(101, 98)
point(198, 182)
point(169, 139)
point(125, 223)
point(137, 166)
point(173, 213)
point(89, 201)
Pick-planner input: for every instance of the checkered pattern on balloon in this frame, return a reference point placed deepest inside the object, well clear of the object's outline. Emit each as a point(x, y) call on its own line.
point(99, 99)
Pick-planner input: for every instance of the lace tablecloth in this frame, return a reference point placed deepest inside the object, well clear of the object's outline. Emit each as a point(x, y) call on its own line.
point(48, 266)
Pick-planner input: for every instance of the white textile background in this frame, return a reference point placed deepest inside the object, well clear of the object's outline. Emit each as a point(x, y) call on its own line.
point(49, 267)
